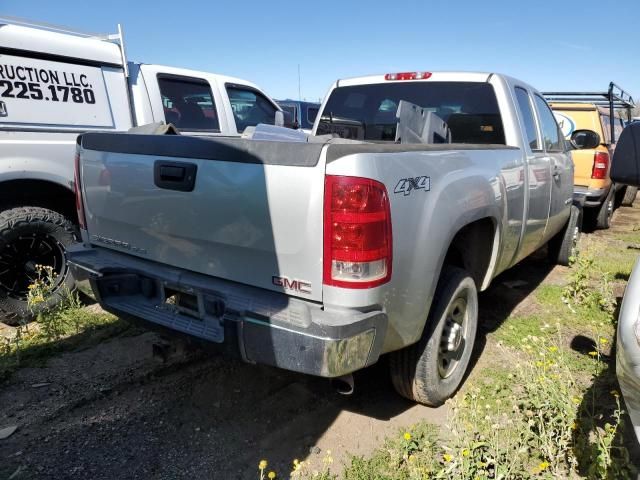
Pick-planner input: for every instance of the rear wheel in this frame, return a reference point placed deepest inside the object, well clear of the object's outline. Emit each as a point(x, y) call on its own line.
point(605, 212)
point(564, 245)
point(31, 236)
point(430, 371)
point(629, 196)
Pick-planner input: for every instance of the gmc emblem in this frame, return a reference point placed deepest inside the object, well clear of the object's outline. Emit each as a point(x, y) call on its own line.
point(295, 285)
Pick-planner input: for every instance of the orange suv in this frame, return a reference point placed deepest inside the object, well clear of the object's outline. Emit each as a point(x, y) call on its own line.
point(592, 122)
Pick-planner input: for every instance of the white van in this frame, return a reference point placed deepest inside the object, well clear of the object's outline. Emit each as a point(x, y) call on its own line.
point(55, 84)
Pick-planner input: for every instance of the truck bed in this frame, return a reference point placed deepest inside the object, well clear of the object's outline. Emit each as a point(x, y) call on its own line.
point(253, 214)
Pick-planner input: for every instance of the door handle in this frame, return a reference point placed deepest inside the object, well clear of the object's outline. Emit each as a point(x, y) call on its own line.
point(180, 176)
point(555, 170)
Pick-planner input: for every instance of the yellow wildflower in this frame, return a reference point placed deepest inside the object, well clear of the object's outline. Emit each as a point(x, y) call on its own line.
point(407, 436)
point(543, 466)
point(576, 400)
point(553, 349)
point(593, 354)
point(603, 340)
point(465, 452)
point(272, 475)
point(447, 457)
point(262, 465)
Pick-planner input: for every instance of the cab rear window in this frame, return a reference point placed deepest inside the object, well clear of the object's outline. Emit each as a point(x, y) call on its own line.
point(368, 112)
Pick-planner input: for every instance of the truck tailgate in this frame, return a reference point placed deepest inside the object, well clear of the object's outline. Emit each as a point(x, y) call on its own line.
point(240, 210)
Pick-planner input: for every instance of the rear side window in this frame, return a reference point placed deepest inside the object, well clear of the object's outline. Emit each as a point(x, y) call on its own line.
point(368, 112)
point(524, 102)
point(312, 113)
point(188, 104)
point(250, 107)
point(291, 109)
point(551, 137)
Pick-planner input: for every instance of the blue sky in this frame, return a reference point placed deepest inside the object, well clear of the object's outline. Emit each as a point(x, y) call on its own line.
point(553, 45)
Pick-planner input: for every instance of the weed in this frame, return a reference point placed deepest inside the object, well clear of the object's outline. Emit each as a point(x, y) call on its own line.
point(63, 326)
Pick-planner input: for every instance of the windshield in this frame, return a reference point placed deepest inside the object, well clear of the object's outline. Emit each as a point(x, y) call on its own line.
point(368, 112)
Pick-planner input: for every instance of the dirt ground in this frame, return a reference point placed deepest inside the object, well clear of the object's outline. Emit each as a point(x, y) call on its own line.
point(117, 411)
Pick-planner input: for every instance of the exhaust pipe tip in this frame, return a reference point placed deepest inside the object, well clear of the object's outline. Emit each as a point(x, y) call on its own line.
point(344, 385)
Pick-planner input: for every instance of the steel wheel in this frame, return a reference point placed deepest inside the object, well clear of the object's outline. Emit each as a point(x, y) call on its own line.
point(453, 339)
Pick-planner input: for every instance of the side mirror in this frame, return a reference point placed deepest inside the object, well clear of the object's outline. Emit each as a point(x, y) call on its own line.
point(279, 119)
point(585, 139)
point(625, 167)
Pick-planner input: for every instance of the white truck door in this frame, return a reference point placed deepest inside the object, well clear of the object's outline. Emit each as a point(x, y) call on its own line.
point(190, 101)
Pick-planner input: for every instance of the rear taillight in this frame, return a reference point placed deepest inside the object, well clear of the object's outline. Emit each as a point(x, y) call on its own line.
point(78, 191)
point(357, 232)
point(600, 165)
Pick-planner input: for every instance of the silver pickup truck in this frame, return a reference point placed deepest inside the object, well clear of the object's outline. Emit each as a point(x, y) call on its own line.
point(321, 256)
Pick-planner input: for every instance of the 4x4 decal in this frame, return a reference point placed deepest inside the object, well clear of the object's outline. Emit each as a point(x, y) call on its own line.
point(407, 185)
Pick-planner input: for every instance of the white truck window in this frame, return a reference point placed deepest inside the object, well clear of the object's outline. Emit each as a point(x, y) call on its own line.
point(524, 102)
point(249, 107)
point(188, 104)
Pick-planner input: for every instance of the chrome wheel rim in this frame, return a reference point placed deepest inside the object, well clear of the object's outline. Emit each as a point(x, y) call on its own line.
point(453, 340)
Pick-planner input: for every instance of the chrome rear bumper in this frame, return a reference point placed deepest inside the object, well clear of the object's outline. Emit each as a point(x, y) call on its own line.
point(269, 327)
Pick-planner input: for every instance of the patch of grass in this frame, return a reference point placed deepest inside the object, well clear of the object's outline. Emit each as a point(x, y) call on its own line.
point(516, 329)
point(65, 326)
point(538, 419)
point(551, 410)
point(32, 347)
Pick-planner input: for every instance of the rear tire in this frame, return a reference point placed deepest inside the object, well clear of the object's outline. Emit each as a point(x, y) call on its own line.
point(605, 212)
point(629, 196)
point(431, 370)
point(30, 236)
point(564, 245)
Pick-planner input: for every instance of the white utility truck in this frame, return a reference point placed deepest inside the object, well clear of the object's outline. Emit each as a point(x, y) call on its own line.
point(55, 84)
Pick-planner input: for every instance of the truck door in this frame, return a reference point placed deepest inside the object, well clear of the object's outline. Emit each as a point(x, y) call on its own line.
point(537, 175)
point(561, 180)
point(191, 103)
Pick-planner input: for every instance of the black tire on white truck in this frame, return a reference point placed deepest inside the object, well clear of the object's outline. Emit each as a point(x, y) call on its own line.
point(31, 236)
point(431, 370)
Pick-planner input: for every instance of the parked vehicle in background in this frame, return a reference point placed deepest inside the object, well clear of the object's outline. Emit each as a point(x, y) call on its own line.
point(303, 114)
point(626, 169)
point(321, 255)
point(56, 83)
point(598, 112)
